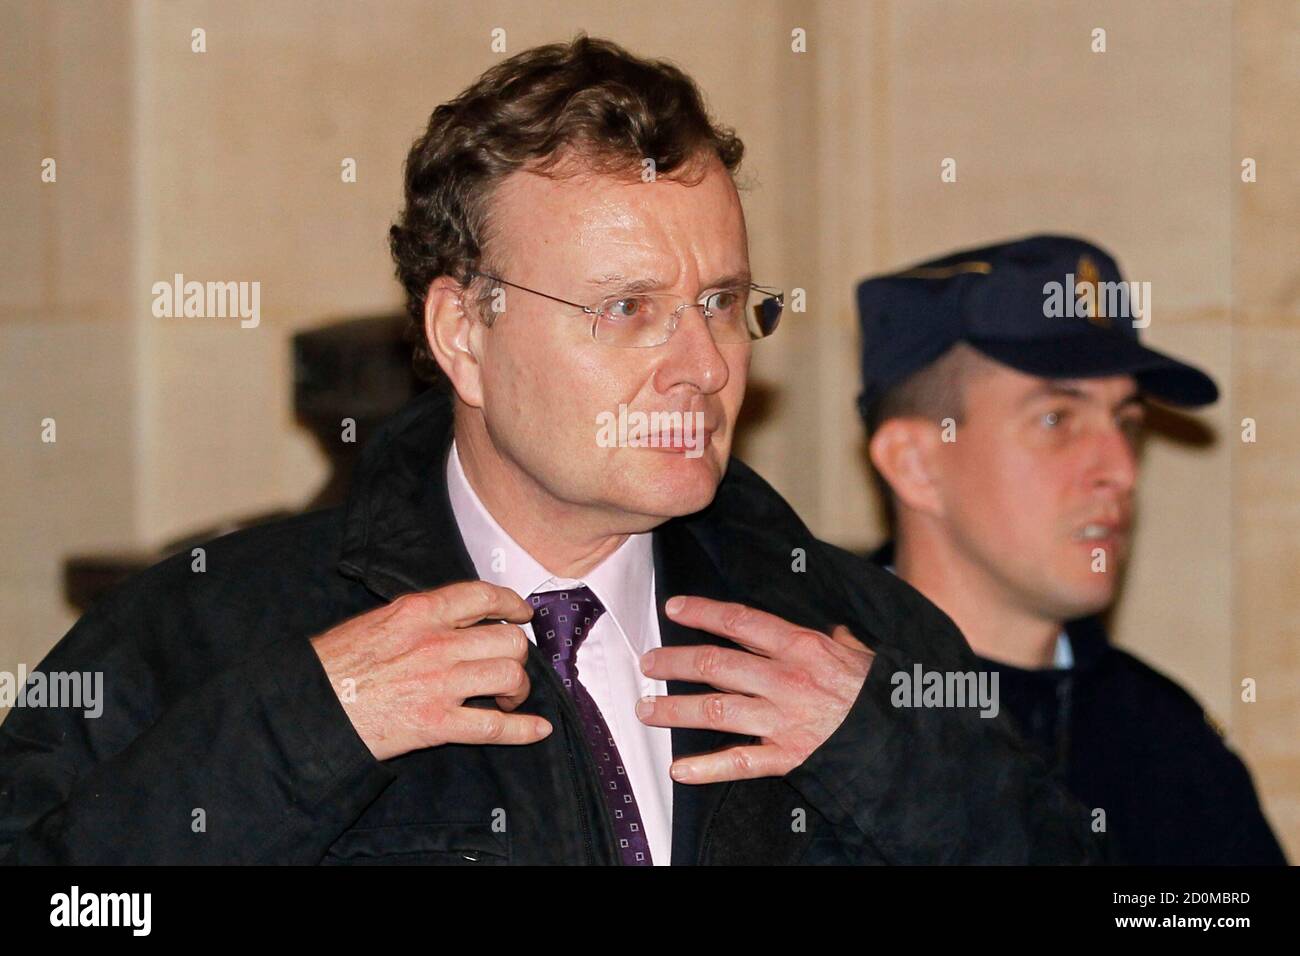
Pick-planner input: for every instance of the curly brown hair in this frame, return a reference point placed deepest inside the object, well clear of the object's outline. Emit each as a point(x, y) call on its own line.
point(589, 100)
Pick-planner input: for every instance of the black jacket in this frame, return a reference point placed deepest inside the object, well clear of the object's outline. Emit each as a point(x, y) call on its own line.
point(1130, 741)
point(221, 739)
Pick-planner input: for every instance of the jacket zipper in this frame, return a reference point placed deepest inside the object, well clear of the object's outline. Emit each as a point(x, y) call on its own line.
point(570, 712)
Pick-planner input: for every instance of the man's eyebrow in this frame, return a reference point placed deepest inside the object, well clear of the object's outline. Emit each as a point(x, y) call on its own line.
point(1054, 390)
point(735, 280)
point(619, 283)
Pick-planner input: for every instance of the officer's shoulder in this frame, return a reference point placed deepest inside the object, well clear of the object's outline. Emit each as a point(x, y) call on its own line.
point(1158, 695)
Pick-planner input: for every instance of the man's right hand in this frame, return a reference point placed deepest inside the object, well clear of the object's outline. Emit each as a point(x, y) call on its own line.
point(404, 671)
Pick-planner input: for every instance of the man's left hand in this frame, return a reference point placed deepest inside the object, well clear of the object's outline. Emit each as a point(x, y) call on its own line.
point(791, 688)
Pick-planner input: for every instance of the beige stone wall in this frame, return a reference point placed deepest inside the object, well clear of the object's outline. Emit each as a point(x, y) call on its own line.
point(66, 330)
point(1265, 351)
point(225, 165)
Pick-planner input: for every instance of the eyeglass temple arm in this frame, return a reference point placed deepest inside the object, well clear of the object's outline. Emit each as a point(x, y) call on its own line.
point(524, 288)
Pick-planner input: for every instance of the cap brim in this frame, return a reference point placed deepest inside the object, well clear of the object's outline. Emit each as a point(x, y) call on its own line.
point(1094, 355)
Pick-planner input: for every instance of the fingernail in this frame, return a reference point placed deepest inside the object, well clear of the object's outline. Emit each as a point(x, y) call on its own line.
point(647, 661)
point(543, 728)
point(678, 772)
point(645, 706)
point(674, 604)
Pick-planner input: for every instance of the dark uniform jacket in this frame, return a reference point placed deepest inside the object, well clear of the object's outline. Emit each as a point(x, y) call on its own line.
point(1130, 741)
point(221, 739)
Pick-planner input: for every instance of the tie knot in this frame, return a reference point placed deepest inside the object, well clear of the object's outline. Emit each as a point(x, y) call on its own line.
point(563, 619)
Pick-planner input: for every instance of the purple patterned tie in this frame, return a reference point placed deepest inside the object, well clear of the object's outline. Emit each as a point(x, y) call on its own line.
point(561, 620)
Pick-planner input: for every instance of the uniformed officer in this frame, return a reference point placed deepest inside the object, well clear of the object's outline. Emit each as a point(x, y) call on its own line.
point(1004, 394)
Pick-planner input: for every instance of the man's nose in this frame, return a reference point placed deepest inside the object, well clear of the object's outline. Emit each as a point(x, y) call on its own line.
point(691, 357)
point(1117, 463)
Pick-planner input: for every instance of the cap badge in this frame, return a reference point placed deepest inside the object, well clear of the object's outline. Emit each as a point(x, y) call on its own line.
point(1092, 305)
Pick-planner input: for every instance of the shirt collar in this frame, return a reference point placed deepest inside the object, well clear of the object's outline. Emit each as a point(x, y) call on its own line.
point(624, 581)
point(1064, 658)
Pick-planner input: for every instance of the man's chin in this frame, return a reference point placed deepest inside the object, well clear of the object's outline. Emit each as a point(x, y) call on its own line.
point(1084, 599)
point(671, 485)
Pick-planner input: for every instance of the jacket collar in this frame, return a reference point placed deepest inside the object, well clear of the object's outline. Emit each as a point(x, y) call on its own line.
point(399, 534)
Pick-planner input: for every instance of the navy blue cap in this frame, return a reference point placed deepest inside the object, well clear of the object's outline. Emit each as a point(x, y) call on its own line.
point(1049, 306)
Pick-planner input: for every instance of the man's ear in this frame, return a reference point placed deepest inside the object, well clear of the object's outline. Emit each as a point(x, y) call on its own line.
point(453, 332)
point(903, 451)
